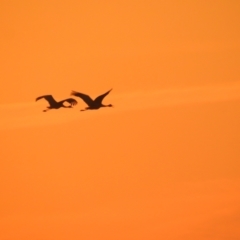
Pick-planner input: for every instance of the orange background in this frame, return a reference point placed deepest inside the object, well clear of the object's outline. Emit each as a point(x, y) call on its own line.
point(163, 163)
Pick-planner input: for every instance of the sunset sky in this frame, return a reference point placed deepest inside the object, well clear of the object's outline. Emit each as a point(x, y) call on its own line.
point(163, 163)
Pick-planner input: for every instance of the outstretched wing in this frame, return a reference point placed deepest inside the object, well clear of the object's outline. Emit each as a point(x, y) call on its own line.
point(71, 101)
point(49, 98)
point(84, 97)
point(101, 97)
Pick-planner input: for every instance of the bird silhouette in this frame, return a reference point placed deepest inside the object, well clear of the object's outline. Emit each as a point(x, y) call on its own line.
point(53, 104)
point(92, 104)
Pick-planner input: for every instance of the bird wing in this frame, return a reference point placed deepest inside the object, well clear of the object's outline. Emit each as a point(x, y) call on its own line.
point(49, 98)
point(84, 97)
point(72, 101)
point(101, 97)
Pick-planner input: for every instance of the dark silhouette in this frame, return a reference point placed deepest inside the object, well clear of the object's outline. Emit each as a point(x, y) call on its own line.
point(92, 104)
point(53, 104)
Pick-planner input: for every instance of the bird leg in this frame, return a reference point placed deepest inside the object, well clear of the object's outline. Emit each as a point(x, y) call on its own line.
point(86, 108)
point(48, 108)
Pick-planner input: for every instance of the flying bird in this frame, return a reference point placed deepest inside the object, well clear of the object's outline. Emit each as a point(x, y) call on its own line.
point(92, 104)
point(53, 104)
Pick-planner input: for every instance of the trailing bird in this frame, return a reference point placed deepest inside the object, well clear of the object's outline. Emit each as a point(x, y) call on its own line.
point(92, 104)
point(53, 104)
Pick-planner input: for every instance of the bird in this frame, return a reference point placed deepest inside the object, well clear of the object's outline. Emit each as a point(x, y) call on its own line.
point(92, 104)
point(53, 104)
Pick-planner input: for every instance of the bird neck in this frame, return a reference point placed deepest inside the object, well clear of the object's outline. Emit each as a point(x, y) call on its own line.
point(109, 105)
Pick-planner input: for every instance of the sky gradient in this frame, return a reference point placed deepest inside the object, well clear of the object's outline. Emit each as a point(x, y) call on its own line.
point(163, 163)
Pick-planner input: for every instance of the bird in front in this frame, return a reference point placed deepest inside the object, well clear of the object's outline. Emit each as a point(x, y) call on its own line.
point(53, 104)
point(92, 104)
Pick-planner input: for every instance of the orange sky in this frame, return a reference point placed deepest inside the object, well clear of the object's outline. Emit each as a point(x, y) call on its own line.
point(163, 163)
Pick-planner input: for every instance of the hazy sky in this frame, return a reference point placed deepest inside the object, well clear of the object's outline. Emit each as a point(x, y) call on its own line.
point(163, 163)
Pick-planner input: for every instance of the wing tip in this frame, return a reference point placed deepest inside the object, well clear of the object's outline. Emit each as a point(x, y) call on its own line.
point(73, 92)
